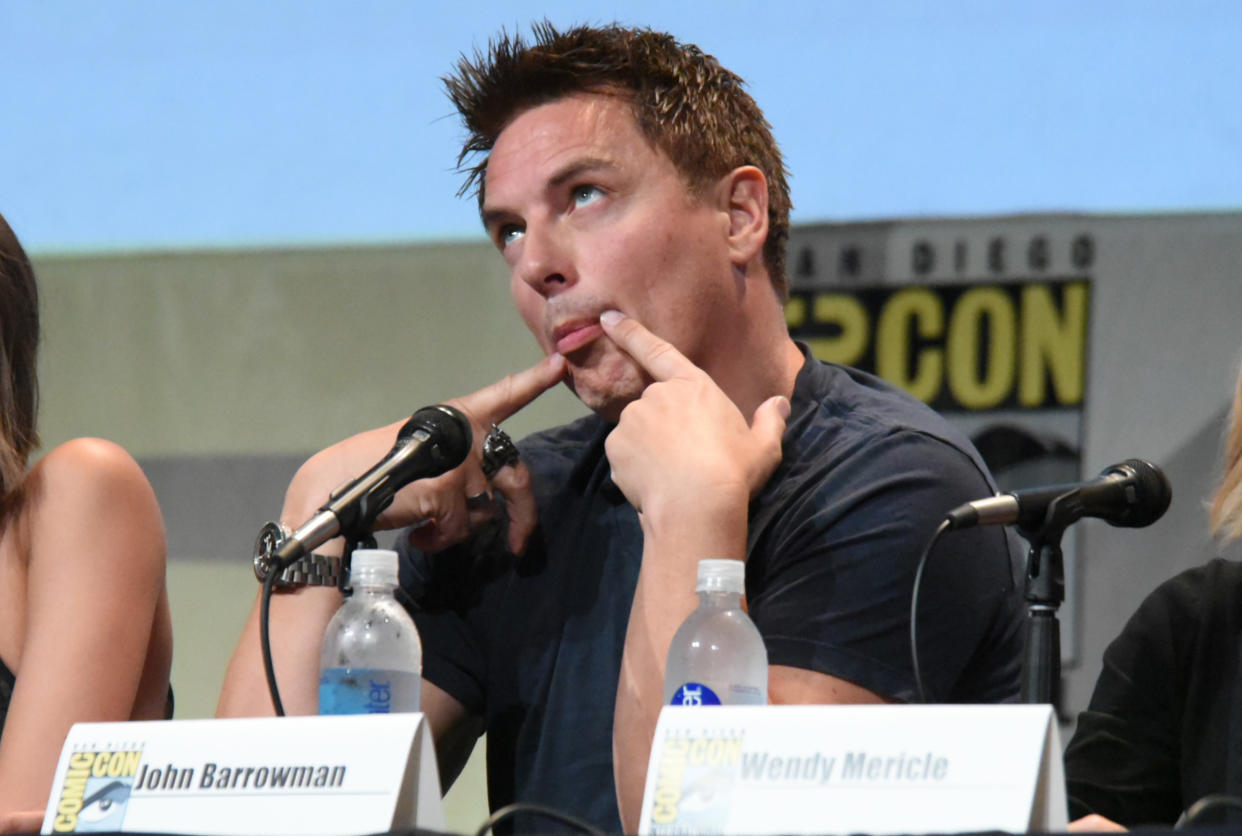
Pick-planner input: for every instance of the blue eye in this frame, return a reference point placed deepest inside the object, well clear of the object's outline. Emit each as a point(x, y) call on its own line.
point(509, 233)
point(582, 195)
point(104, 802)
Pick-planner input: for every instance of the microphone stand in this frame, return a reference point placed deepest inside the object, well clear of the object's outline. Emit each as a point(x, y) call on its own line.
point(1045, 592)
point(359, 534)
point(363, 540)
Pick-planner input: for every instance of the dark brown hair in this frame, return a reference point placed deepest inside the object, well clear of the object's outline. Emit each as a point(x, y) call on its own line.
point(685, 103)
point(19, 347)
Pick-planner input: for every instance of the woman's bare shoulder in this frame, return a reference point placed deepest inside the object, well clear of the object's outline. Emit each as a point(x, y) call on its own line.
point(85, 467)
point(91, 488)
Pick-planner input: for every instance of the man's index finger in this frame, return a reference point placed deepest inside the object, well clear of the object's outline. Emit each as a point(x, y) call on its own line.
point(500, 400)
point(658, 357)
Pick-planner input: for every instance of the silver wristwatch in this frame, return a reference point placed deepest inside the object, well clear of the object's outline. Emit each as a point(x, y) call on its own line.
point(308, 570)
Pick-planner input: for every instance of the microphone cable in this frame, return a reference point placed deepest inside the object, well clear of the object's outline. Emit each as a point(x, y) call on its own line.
point(1207, 804)
point(265, 642)
point(914, 609)
point(510, 810)
point(265, 599)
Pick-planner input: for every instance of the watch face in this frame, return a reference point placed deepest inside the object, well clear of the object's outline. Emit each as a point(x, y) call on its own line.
point(269, 539)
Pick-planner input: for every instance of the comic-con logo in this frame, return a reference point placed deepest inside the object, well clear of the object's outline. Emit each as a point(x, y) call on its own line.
point(96, 791)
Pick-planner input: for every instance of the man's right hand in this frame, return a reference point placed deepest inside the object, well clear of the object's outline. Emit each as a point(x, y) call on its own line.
point(298, 619)
point(438, 506)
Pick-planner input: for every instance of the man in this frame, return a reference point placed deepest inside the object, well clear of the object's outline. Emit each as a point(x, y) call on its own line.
point(639, 200)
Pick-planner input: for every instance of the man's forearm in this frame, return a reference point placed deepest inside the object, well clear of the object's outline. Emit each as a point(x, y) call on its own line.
point(297, 624)
point(663, 598)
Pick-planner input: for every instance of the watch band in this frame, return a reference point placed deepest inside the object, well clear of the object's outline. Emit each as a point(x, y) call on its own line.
point(308, 570)
point(311, 570)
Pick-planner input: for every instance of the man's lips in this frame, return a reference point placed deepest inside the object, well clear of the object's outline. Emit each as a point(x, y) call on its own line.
point(575, 335)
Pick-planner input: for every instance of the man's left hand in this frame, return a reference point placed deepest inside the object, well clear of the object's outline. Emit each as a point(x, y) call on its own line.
point(684, 443)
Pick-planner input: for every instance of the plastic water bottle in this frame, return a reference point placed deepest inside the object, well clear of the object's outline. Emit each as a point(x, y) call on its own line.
point(371, 661)
point(717, 656)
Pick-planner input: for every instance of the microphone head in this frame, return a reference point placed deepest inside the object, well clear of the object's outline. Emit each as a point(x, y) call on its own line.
point(1148, 493)
point(447, 429)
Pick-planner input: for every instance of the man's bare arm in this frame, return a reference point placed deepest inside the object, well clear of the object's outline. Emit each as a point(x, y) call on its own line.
point(689, 462)
point(454, 730)
point(297, 619)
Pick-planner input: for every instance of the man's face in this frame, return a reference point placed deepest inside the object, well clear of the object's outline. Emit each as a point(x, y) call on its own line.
point(589, 216)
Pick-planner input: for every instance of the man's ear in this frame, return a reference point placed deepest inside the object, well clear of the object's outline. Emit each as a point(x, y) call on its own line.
point(745, 192)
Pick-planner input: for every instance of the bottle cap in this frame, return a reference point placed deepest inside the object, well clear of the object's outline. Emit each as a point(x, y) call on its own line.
point(721, 576)
point(373, 567)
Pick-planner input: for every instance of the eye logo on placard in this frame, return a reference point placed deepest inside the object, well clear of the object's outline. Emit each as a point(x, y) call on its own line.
point(694, 782)
point(95, 792)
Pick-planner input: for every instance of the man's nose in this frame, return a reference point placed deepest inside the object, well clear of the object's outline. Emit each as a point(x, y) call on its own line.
point(546, 264)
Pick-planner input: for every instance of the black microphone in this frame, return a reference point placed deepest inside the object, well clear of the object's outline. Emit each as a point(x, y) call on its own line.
point(1132, 494)
point(435, 440)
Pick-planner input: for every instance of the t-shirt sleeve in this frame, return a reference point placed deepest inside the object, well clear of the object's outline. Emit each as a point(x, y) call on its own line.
point(834, 570)
point(433, 590)
point(1123, 760)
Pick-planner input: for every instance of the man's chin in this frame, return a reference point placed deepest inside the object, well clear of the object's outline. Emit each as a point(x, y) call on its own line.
point(606, 398)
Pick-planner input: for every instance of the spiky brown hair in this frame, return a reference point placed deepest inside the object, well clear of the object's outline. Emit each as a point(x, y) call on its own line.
point(684, 102)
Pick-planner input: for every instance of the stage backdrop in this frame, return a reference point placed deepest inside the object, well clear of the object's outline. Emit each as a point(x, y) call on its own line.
point(1062, 343)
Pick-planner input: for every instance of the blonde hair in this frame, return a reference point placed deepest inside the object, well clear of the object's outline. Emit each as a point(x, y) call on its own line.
point(1225, 516)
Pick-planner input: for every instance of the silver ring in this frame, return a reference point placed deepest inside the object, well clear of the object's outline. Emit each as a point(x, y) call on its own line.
point(498, 451)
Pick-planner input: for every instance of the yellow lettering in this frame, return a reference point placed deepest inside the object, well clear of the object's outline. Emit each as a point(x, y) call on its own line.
point(715, 751)
point(795, 312)
point(976, 388)
point(70, 804)
point(919, 375)
point(973, 347)
point(668, 782)
point(850, 317)
point(71, 793)
point(697, 749)
point(123, 763)
point(115, 764)
point(1054, 342)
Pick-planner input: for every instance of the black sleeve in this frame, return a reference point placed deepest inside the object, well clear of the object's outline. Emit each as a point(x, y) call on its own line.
point(837, 572)
point(433, 589)
point(1123, 760)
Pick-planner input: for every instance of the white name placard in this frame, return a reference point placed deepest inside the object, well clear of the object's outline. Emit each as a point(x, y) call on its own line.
point(289, 775)
point(854, 769)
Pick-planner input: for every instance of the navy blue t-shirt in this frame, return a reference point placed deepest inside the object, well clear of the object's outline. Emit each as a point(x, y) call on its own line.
point(533, 644)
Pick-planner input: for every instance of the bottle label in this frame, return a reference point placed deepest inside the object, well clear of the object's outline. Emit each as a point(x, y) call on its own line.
point(367, 691)
point(747, 695)
point(695, 693)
